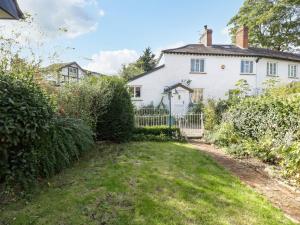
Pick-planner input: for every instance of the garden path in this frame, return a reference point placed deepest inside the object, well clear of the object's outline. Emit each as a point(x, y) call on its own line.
point(254, 173)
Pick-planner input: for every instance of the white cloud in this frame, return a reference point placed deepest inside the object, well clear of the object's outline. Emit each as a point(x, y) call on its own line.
point(101, 12)
point(55, 18)
point(110, 62)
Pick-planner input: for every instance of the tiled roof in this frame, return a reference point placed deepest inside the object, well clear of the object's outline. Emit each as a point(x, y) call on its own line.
point(232, 50)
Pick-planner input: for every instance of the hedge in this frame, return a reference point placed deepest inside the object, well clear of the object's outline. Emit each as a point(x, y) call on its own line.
point(266, 126)
point(34, 142)
point(104, 103)
point(158, 133)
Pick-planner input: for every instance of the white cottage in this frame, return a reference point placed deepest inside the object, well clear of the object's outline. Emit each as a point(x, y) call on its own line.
point(197, 72)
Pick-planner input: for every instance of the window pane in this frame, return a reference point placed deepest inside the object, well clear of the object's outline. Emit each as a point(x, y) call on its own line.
point(251, 67)
point(202, 66)
point(197, 65)
point(137, 92)
point(193, 65)
point(242, 67)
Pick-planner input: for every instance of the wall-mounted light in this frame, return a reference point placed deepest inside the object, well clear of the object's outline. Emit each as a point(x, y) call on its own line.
point(223, 67)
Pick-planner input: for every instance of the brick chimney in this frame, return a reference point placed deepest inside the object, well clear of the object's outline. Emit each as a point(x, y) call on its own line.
point(242, 40)
point(206, 37)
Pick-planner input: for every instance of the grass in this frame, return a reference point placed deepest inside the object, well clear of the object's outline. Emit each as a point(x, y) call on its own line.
point(144, 183)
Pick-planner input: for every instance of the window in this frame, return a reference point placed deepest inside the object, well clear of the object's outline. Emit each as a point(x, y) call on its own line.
point(292, 71)
point(197, 95)
point(246, 67)
point(135, 91)
point(271, 69)
point(73, 72)
point(197, 65)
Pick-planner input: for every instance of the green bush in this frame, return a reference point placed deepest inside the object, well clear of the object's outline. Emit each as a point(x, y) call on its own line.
point(63, 144)
point(291, 160)
point(104, 103)
point(256, 116)
point(34, 142)
point(224, 135)
point(159, 133)
point(265, 126)
point(24, 115)
point(75, 100)
point(213, 112)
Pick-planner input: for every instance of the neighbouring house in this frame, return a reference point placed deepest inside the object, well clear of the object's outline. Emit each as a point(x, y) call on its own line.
point(62, 73)
point(198, 72)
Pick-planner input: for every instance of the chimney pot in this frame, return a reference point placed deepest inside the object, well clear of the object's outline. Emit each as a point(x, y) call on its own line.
point(206, 37)
point(242, 39)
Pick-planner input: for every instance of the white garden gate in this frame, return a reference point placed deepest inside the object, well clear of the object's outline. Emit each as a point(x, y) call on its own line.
point(191, 124)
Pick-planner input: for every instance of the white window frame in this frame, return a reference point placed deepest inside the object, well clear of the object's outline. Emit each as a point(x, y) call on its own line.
point(270, 69)
point(246, 66)
point(292, 71)
point(197, 65)
point(134, 93)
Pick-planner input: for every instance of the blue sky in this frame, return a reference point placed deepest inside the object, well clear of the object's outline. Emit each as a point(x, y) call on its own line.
point(106, 33)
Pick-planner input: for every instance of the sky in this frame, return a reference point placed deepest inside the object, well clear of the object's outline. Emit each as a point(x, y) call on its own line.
point(101, 35)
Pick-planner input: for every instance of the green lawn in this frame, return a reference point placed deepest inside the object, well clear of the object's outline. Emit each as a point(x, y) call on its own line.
point(144, 183)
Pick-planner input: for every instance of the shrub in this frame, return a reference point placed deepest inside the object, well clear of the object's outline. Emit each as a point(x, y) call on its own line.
point(224, 135)
point(213, 112)
point(75, 100)
point(24, 114)
point(64, 143)
point(265, 126)
point(104, 103)
point(291, 160)
point(159, 133)
point(34, 143)
point(196, 108)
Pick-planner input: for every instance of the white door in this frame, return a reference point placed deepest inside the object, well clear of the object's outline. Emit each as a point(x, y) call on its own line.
point(180, 101)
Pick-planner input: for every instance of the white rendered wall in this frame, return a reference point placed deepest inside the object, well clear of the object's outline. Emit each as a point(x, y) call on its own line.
point(216, 81)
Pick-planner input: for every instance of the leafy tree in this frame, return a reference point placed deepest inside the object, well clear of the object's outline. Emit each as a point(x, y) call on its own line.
point(146, 62)
point(273, 24)
point(131, 70)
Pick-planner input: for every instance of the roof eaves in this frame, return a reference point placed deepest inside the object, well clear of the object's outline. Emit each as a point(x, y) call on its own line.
point(146, 73)
point(178, 85)
point(237, 55)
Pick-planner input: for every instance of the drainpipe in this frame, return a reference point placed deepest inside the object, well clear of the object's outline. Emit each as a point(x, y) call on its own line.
point(256, 87)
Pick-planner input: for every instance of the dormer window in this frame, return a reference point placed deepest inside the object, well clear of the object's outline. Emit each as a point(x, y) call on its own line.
point(197, 65)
